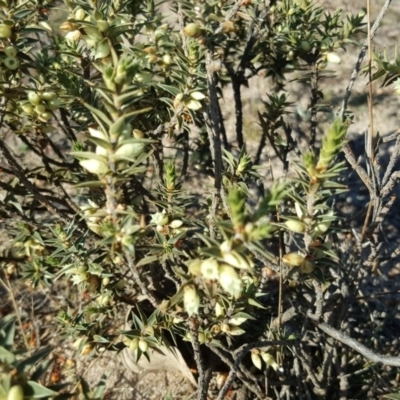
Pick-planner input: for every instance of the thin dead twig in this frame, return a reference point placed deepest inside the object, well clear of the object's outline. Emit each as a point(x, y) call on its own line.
point(241, 352)
point(202, 383)
point(360, 58)
point(8, 288)
point(247, 381)
point(135, 274)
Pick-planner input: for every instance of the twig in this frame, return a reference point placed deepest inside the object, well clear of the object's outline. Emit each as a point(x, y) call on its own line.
point(17, 313)
point(306, 362)
point(139, 282)
point(15, 166)
point(355, 345)
point(313, 106)
point(240, 353)
point(343, 381)
point(392, 162)
point(202, 386)
point(168, 274)
point(360, 58)
point(356, 167)
point(390, 184)
point(242, 375)
point(370, 151)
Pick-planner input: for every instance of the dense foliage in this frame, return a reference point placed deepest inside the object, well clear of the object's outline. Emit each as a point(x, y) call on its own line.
point(119, 176)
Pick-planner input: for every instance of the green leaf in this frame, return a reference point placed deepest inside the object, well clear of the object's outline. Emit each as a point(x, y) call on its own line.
point(136, 112)
point(136, 141)
point(89, 155)
point(392, 396)
point(36, 391)
point(242, 314)
point(98, 113)
point(100, 142)
point(7, 332)
point(255, 303)
point(22, 14)
point(100, 388)
point(100, 339)
point(90, 184)
point(25, 365)
point(42, 368)
point(147, 260)
point(170, 89)
point(6, 356)
point(3, 392)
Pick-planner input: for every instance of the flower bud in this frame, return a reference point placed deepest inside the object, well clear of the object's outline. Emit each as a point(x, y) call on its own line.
point(48, 96)
point(68, 26)
point(219, 310)
point(73, 36)
point(130, 150)
point(103, 25)
point(270, 360)
point(27, 108)
point(293, 259)
point(202, 337)
point(192, 30)
point(143, 345)
point(192, 104)
point(236, 260)
point(307, 266)
point(197, 96)
point(305, 45)
point(87, 349)
point(5, 31)
point(12, 63)
point(53, 104)
point(40, 109)
point(176, 223)
point(167, 59)
point(396, 86)
point(138, 134)
point(226, 246)
point(195, 267)
point(134, 344)
point(298, 209)
point(229, 280)
point(209, 269)
point(220, 379)
point(228, 26)
point(333, 58)
point(80, 14)
point(94, 166)
point(295, 225)
point(46, 116)
point(16, 392)
point(256, 359)
point(104, 299)
point(225, 328)
point(102, 50)
point(237, 321)
point(159, 218)
point(191, 300)
point(10, 51)
point(34, 98)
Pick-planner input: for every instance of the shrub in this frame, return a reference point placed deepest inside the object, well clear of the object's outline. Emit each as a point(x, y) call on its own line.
point(119, 175)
